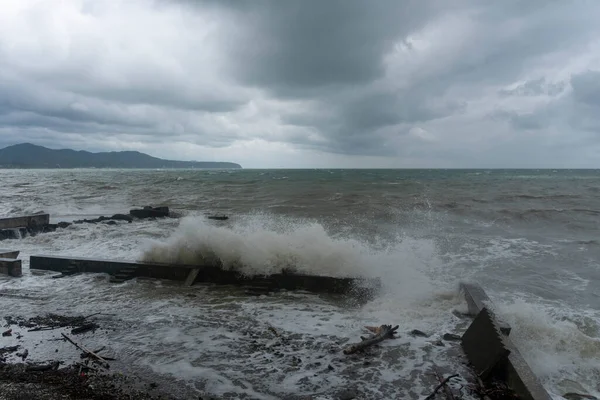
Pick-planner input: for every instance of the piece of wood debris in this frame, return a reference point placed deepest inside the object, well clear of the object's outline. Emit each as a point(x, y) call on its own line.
point(381, 333)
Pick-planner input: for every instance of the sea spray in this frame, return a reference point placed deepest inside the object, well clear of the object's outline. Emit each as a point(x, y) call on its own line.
point(558, 343)
point(255, 249)
point(264, 244)
point(413, 285)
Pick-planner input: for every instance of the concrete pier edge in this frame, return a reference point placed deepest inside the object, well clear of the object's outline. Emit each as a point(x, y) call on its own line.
point(190, 274)
point(489, 332)
point(11, 267)
point(5, 253)
point(28, 221)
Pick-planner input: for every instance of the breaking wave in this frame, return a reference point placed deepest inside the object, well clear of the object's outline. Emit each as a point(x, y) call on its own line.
point(559, 343)
point(262, 244)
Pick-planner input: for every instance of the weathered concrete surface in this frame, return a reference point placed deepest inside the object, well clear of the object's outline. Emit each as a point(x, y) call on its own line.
point(484, 344)
point(37, 221)
point(13, 233)
point(11, 267)
point(477, 300)
point(208, 274)
point(9, 253)
point(482, 337)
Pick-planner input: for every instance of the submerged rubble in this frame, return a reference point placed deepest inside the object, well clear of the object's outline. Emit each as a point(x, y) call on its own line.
point(87, 374)
point(64, 376)
point(20, 227)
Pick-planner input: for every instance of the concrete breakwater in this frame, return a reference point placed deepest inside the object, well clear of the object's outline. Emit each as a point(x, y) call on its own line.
point(18, 227)
point(191, 274)
point(30, 225)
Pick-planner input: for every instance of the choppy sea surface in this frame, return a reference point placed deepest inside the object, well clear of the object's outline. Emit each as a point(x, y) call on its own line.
point(530, 237)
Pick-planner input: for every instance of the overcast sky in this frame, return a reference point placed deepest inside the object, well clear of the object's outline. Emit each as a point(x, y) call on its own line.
point(307, 83)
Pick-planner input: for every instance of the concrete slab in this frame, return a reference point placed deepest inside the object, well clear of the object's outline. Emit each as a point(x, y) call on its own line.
point(359, 287)
point(477, 300)
point(483, 336)
point(4, 253)
point(484, 344)
point(11, 267)
point(37, 221)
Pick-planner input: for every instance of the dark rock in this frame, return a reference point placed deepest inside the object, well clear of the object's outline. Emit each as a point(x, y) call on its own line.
point(451, 337)
point(111, 223)
point(64, 224)
point(8, 349)
point(7, 333)
point(23, 354)
point(218, 217)
point(347, 395)
point(439, 343)
point(122, 217)
point(150, 212)
point(50, 228)
point(416, 332)
point(579, 396)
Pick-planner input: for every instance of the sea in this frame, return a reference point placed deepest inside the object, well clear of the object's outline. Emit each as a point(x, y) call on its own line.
point(530, 238)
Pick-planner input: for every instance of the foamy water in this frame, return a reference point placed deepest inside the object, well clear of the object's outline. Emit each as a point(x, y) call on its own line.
point(219, 342)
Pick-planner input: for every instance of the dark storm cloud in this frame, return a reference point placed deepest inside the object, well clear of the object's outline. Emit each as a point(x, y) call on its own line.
point(289, 46)
point(350, 77)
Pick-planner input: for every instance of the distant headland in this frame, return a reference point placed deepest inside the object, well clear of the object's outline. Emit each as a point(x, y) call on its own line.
point(27, 155)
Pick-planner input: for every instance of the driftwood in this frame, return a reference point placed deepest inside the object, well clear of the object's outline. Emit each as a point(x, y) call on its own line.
point(83, 328)
point(43, 367)
point(87, 355)
point(69, 322)
point(88, 352)
point(381, 333)
point(442, 384)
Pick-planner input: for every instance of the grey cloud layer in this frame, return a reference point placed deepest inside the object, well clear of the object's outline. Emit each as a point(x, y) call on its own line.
point(462, 82)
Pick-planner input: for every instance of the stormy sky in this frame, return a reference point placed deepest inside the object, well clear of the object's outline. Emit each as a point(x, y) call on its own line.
point(307, 83)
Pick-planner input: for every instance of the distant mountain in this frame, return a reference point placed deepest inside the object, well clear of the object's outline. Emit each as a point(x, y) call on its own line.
point(27, 155)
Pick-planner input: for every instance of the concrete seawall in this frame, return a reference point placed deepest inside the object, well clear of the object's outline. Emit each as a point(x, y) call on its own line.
point(490, 350)
point(37, 221)
point(191, 274)
point(11, 267)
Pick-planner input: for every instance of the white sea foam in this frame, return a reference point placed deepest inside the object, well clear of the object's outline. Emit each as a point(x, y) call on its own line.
point(557, 342)
point(418, 293)
point(260, 244)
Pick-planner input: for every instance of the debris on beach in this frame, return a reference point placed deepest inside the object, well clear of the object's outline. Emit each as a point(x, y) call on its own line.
point(53, 321)
point(380, 334)
point(57, 377)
